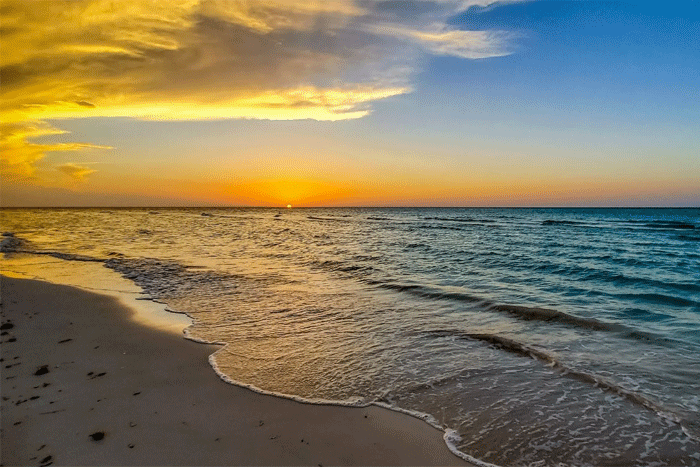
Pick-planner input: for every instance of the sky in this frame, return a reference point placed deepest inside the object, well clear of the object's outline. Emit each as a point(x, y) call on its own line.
point(349, 103)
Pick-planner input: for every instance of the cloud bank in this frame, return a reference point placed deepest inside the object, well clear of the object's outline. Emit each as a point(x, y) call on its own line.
point(213, 59)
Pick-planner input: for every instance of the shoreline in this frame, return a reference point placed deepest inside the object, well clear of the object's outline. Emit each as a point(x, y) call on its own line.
point(78, 366)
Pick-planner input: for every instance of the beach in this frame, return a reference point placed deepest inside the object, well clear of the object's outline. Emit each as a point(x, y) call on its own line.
point(83, 383)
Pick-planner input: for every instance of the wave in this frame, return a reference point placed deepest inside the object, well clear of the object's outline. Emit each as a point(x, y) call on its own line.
point(336, 219)
point(469, 220)
point(159, 278)
point(440, 227)
point(426, 292)
point(549, 315)
point(519, 311)
point(10, 243)
point(661, 299)
point(359, 270)
point(558, 222)
point(224, 216)
point(163, 279)
point(584, 273)
point(422, 246)
point(634, 225)
point(496, 341)
point(640, 314)
point(524, 350)
point(545, 315)
point(670, 225)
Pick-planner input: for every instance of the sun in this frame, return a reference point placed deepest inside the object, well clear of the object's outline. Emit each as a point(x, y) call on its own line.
point(289, 206)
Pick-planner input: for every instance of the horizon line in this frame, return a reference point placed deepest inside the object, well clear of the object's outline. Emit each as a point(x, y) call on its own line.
point(346, 207)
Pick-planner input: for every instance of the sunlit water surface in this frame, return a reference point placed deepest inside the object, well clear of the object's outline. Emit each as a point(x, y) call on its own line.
point(541, 336)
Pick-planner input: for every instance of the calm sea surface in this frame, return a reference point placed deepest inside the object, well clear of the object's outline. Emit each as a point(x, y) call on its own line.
point(540, 336)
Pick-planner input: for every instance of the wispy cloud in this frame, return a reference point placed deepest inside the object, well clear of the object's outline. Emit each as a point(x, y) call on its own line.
point(213, 59)
point(465, 44)
point(440, 39)
point(18, 155)
point(466, 4)
point(75, 171)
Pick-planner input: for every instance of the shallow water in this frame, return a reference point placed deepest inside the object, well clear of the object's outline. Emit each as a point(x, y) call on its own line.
point(541, 336)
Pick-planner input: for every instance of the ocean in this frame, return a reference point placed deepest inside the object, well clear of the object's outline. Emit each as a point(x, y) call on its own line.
point(532, 337)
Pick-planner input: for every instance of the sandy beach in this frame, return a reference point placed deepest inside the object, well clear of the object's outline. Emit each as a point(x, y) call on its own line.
point(85, 384)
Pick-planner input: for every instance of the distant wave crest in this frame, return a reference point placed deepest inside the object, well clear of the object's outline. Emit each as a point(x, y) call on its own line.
point(513, 346)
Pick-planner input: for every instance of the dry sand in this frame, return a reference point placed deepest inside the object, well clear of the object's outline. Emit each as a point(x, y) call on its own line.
point(85, 384)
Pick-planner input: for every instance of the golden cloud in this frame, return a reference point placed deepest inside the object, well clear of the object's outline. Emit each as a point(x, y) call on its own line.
point(209, 59)
point(18, 155)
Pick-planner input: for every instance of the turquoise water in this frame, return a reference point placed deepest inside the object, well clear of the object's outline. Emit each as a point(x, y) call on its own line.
point(540, 336)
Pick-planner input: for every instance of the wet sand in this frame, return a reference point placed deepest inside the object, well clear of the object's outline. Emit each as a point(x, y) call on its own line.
point(85, 384)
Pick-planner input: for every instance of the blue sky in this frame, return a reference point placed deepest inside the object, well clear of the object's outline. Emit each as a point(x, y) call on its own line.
point(585, 64)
